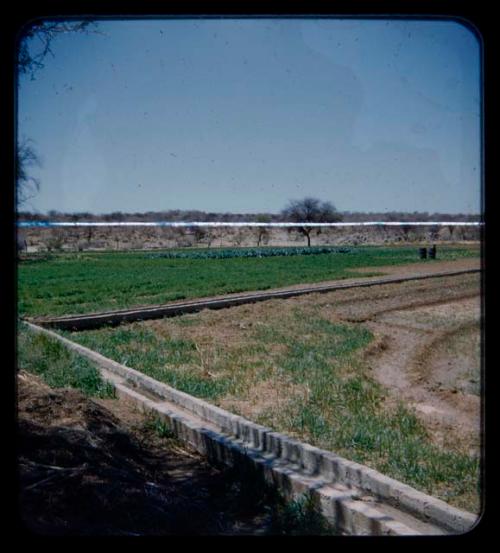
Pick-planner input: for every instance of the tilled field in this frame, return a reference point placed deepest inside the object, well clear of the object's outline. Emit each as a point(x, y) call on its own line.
point(335, 368)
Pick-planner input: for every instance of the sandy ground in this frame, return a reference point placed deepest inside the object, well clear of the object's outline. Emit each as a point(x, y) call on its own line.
point(433, 362)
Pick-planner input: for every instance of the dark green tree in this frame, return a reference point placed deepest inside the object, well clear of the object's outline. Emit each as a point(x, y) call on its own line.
point(310, 210)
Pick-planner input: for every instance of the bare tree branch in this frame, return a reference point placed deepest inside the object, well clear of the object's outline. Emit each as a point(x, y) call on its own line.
point(26, 157)
point(36, 43)
point(34, 48)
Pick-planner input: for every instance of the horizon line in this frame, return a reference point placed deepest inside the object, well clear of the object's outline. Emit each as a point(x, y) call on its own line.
point(238, 224)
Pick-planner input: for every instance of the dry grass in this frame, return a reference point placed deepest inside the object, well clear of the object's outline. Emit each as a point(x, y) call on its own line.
point(297, 366)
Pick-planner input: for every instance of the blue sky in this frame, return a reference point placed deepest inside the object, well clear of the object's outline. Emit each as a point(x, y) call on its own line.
point(244, 115)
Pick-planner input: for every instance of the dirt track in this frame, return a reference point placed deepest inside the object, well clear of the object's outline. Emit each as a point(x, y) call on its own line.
point(427, 348)
point(429, 356)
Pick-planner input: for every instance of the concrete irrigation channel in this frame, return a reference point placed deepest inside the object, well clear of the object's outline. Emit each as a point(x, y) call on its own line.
point(355, 499)
point(96, 320)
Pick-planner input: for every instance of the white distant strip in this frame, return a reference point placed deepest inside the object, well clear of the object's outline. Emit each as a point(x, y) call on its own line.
point(242, 224)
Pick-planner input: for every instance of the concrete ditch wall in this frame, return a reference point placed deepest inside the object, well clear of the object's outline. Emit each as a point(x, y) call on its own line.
point(354, 498)
point(95, 320)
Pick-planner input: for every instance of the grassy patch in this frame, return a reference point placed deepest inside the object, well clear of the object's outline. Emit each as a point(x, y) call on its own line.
point(300, 374)
point(156, 425)
point(57, 366)
point(344, 412)
point(300, 517)
point(80, 283)
point(175, 362)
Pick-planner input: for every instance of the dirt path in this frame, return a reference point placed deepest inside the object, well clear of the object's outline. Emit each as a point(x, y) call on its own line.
point(429, 266)
point(427, 353)
point(427, 346)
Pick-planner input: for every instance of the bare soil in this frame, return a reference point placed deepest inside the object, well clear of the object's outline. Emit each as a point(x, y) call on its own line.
point(430, 357)
point(427, 348)
point(92, 467)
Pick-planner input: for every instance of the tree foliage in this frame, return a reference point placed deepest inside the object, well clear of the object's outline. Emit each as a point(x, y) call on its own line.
point(310, 210)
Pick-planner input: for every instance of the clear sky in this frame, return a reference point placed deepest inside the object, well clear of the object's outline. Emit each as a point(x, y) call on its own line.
point(244, 115)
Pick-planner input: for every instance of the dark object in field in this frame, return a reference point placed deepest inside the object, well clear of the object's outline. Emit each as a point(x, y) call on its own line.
point(423, 253)
point(432, 252)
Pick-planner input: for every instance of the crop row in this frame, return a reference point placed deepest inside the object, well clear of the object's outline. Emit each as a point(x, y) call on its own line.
point(251, 252)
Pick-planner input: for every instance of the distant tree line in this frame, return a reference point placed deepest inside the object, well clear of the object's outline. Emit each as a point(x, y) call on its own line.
point(177, 215)
point(388, 216)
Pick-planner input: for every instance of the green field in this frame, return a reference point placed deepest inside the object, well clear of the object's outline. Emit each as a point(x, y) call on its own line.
point(306, 375)
point(71, 283)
